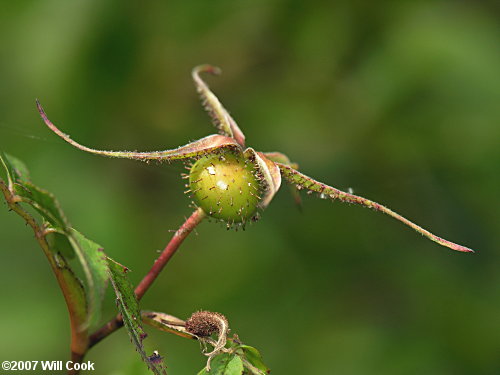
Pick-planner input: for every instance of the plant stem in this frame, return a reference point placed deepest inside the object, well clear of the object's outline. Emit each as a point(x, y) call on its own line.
point(169, 250)
point(76, 358)
point(179, 236)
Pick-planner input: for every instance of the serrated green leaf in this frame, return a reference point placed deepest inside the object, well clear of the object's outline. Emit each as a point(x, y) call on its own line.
point(41, 200)
point(15, 169)
point(254, 358)
point(131, 314)
point(127, 302)
point(44, 202)
point(95, 267)
point(18, 190)
point(89, 253)
point(224, 364)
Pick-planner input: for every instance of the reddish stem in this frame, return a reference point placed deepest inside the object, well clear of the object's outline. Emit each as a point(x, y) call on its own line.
point(169, 250)
point(179, 236)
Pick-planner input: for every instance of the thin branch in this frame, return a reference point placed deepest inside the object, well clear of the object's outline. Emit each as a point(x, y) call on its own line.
point(76, 358)
point(179, 236)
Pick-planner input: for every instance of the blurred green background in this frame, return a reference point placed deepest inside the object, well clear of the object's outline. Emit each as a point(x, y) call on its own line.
point(397, 100)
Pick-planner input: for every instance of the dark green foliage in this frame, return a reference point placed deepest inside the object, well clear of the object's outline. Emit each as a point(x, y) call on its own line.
point(20, 190)
point(55, 224)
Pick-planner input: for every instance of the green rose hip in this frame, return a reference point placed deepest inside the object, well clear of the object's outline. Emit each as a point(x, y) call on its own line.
point(225, 187)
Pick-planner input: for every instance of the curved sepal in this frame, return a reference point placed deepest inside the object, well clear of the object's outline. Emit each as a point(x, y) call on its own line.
point(304, 182)
point(197, 148)
point(269, 172)
point(220, 116)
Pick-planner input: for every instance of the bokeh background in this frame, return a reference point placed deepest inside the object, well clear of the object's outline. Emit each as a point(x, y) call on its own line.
point(397, 100)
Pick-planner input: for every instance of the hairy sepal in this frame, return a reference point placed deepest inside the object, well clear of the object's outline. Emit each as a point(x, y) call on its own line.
point(194, 149)
point(219, 115)
point(304, 182)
